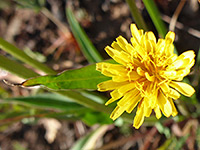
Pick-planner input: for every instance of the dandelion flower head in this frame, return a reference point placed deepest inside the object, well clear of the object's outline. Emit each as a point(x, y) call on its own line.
point(147, 75)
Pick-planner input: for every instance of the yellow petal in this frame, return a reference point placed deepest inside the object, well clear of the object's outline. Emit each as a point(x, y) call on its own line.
point(170, 37)
point(109, 85)
point(120, 78)
point(174, 94)
point(185, 60)
point(110, 101)
point(131, 50)
point(139, 117)
point(133, 103)
point(165, 88)
point(122, 42)
point(158, 112)
point(115, 96)
point(147, 111)
point(128, 98)
point(150, 36)
point(133, 75)
point(160, 46)
point(137, 34)
point(141, 51)
point(164, 104)
point(119, 56)
point(116, 46)
point(118, 111)
point(111, 69)
point(174, 111)
point(126, 87)
point(183, 88)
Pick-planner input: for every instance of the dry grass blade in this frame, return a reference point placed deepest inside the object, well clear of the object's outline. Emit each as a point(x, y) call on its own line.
point(176, 14)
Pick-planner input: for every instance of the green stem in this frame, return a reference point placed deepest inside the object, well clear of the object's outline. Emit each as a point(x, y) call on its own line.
point(155, 16)
point(136, 14)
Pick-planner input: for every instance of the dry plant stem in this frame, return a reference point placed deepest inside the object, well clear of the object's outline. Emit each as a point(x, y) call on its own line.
point(18, 118)
point(59, 24)
point(149, 138)
point(122, 141)
point(176, 14)
point(180, 26)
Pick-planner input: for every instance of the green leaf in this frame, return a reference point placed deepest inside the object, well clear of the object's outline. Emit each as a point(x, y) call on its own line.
point(16, 68)
point(84, 42)
point(22, 56)
point(83, 78)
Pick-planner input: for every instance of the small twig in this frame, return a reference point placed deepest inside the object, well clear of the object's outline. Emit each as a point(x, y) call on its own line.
point(12, 84)
point(176, 14)
point(122, 141)
point(149, 138)
point(17, 118)
point(57, 22)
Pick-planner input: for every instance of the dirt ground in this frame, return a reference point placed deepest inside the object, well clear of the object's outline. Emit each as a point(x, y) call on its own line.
point(103, 21)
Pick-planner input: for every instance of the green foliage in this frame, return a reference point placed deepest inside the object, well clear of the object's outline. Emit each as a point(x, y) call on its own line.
point(46, 101)
point(84, 42)
point(91, 118)
point(155, 16)
point(62, 104)
point(22, 56)
point(19, 69)
point(31, 4)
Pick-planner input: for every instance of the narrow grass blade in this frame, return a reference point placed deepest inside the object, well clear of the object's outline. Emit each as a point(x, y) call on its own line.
point(48, 100)
point(16, 68)
point(155, 16)
point(19, 54)
point(84, 42)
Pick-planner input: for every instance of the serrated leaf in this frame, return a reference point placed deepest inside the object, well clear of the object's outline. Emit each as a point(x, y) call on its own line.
point(83, 78)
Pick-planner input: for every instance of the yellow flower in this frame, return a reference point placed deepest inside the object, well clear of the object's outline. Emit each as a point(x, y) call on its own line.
point(147, 75)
